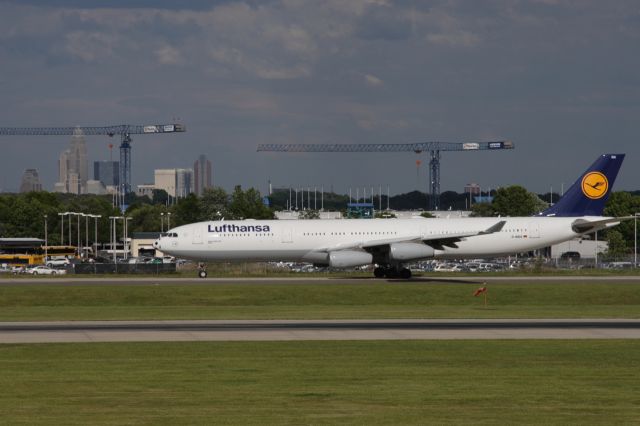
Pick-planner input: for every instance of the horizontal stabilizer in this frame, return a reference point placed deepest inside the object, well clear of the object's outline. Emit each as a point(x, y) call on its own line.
point(583, 226)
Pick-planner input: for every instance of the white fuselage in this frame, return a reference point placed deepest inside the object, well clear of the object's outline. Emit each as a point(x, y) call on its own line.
point(296, 240)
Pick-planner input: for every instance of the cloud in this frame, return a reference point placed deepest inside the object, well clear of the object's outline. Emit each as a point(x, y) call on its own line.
point(372, 80)
point(90, 46)
point(169, 55)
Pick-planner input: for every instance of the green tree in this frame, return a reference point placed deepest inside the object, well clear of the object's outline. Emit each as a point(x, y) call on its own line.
point(621, 204)
point(145, 218)
point(617, 245)
point(516, 201)
point(214, 204)
point(482, 210)
point(248, 205)
point(187, 210)
point(159, 196)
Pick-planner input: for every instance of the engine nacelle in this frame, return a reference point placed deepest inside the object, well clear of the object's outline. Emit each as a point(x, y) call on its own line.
point(348, 258)
point(409, 251)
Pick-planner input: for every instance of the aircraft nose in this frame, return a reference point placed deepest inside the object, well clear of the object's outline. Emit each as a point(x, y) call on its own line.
point(156, 244)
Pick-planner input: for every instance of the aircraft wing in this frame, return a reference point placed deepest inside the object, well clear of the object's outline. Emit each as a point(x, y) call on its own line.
point(583, 226)
point(437, 241)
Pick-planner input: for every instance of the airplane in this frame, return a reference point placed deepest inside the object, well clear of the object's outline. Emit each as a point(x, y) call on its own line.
point(391, 243)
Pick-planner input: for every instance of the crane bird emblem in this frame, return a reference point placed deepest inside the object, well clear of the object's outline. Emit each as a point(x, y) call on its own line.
point(595, 185)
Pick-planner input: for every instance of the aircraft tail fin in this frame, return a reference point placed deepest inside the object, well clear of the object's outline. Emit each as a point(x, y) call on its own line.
point(588, 195)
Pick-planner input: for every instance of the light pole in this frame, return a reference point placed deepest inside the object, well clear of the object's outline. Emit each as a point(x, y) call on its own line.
point(635, 240)
point(46, 240)
point(125, 231)
point(79, 250)
point(62, 215)
point(95, 238)
point(161, 222)
point(168, 220)
point(114, 223)
point(86, 232)
point(596, 249)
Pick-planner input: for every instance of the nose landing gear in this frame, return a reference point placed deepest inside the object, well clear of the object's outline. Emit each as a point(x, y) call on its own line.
point(202, 270)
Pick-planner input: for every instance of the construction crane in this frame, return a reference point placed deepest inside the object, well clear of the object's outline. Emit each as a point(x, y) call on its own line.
point(433, 148)
point(124, 130)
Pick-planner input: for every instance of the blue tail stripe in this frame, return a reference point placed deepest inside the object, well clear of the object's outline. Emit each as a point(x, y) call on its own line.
point(588, 195)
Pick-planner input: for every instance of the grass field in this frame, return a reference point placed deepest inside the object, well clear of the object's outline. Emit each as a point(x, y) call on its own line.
point(382, 382)
point(372, 299)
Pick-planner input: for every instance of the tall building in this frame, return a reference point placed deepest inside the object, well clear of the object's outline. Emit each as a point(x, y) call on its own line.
point(73, 166)
point(30, 181)
point(107, 172)
point(177, 182)
point(165, 179)
point(202, 174)
point(184, 182)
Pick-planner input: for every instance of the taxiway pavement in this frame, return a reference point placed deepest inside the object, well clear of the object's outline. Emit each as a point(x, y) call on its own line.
point(289, 330)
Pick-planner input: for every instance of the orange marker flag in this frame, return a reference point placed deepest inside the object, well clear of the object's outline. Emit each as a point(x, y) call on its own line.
point(479, 291)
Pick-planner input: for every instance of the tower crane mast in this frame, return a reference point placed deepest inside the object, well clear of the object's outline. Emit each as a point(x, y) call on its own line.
point(433, 148)
point(124, 130)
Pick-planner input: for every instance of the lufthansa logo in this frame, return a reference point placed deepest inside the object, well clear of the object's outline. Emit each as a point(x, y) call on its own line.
point(594, 185)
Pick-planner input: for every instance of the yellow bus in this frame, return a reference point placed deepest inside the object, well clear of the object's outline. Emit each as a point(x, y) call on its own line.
point(15, 259)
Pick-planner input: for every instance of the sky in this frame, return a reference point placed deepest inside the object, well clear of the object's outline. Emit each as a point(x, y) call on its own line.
point(558, 78)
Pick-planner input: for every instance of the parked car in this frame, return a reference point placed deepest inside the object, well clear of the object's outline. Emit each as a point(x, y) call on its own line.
point(44, 270)
point(15, 270)
point(51, 263)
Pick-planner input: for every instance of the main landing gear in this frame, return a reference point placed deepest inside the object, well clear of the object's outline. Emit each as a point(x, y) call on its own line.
point(392, 272)
point(202, 270)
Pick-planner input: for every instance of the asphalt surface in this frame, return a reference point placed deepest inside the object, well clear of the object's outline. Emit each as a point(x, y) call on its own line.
point(332, 280)
point(251, 330)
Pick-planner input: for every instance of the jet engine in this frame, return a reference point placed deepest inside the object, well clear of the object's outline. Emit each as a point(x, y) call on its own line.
point(347, 258)
point(409, 251)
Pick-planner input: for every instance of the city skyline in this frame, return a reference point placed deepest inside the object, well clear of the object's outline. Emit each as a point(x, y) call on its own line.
point(555, 77)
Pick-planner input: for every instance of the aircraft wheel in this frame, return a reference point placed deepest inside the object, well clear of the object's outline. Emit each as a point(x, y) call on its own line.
point(35, 273)
point(53, 272)
point(405, 273)
point(378, 272)
point(390, 273)
point(202, 274)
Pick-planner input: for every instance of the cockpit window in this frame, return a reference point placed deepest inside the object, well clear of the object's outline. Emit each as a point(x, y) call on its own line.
point(171, 235)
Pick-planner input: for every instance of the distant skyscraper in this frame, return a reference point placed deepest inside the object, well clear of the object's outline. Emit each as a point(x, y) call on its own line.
point(184, 182)
point(106, 172)
point(202, 174)
point(30, 181)
point(73, 166)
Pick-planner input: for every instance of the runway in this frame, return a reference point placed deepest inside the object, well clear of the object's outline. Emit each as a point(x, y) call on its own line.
point(251, 330)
